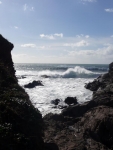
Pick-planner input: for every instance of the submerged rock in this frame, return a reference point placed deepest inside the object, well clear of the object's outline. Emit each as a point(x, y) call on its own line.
point(55, 102)
point(45, 76)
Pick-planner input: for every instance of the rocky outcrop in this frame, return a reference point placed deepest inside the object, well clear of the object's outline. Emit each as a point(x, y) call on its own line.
point(85, 126)
point(21, 125)
point(5, 54)
point(33, 84)
point(55, 102)
point(71, 100)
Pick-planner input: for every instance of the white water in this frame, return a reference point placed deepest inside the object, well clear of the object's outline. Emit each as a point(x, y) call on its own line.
point(60, 85)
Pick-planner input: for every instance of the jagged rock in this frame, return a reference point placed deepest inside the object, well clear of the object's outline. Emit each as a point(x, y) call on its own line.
point(93, 86)
point(97, 124)
point(71, 100)
point(21, 125)
point(5, 54)
point(33, 84)
point(111, 67)
point(92, 131)
point(79, 109)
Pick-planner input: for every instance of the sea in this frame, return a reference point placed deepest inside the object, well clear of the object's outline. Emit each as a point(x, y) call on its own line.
point(60, 81)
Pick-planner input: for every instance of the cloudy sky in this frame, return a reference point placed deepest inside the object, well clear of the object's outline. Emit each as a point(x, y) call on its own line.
point(58, 31)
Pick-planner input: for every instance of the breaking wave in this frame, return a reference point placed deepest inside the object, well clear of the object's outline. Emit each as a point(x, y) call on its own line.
point(77, 72)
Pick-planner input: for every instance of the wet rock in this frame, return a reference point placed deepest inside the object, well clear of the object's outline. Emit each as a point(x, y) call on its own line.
point(45, 76)
point(71, 100)
point(78, 110)
point(93, 86)
point(62, 106)
point(55, 102)
point(21, 77)
point(33, 84)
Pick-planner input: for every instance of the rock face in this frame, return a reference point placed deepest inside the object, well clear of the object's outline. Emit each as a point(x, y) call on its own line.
point(5, 54)
point(85, 126)
point(21, 125)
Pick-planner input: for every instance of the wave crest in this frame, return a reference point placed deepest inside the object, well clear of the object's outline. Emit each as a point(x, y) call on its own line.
point(77, 72)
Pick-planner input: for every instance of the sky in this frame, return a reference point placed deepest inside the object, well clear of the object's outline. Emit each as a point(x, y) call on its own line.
point(59, 31)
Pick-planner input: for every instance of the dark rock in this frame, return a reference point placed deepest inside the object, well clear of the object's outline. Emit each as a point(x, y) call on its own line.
point(111, 67)
point(21, 125)
point(21, 77)
point(55, 102)
point(33, 84)
point(51, 146)
point(97, 125)
point(5, 54)
point(62, 106)
point(45, 76)
point(78, 110)
point(93, 86)
point(71, 100)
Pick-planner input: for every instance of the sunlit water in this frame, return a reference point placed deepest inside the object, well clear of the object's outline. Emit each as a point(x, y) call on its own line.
point(62, 81)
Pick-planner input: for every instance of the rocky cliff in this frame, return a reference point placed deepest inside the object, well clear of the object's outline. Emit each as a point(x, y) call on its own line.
point(21, 125)
point(85, 126)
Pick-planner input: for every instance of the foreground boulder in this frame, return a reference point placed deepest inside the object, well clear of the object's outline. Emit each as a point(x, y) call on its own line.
point(91, 131)
point(33, 84)
point(71, 100)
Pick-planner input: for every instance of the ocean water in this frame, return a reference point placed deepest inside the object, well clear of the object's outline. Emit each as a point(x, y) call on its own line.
point(63, 80)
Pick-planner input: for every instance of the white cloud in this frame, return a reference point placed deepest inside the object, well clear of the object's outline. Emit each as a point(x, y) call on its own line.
point(51, 36)
point(25, 7)
point(28, 45)
point(0, 2)
point(112, 36)
point(102, 52)
point(109, 10)
point(87, 36)
point(32, 8)
point(59, 35)
point(89, 1)
point(78, 44)
point(82, 36)
point(15, 27)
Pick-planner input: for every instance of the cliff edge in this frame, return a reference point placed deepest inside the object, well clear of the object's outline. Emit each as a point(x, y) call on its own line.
point(21, 125)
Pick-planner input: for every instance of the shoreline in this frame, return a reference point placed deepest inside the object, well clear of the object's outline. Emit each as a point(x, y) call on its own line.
point(84, 126)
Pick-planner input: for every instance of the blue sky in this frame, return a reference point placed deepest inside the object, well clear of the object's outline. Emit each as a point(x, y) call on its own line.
point(58, 31)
